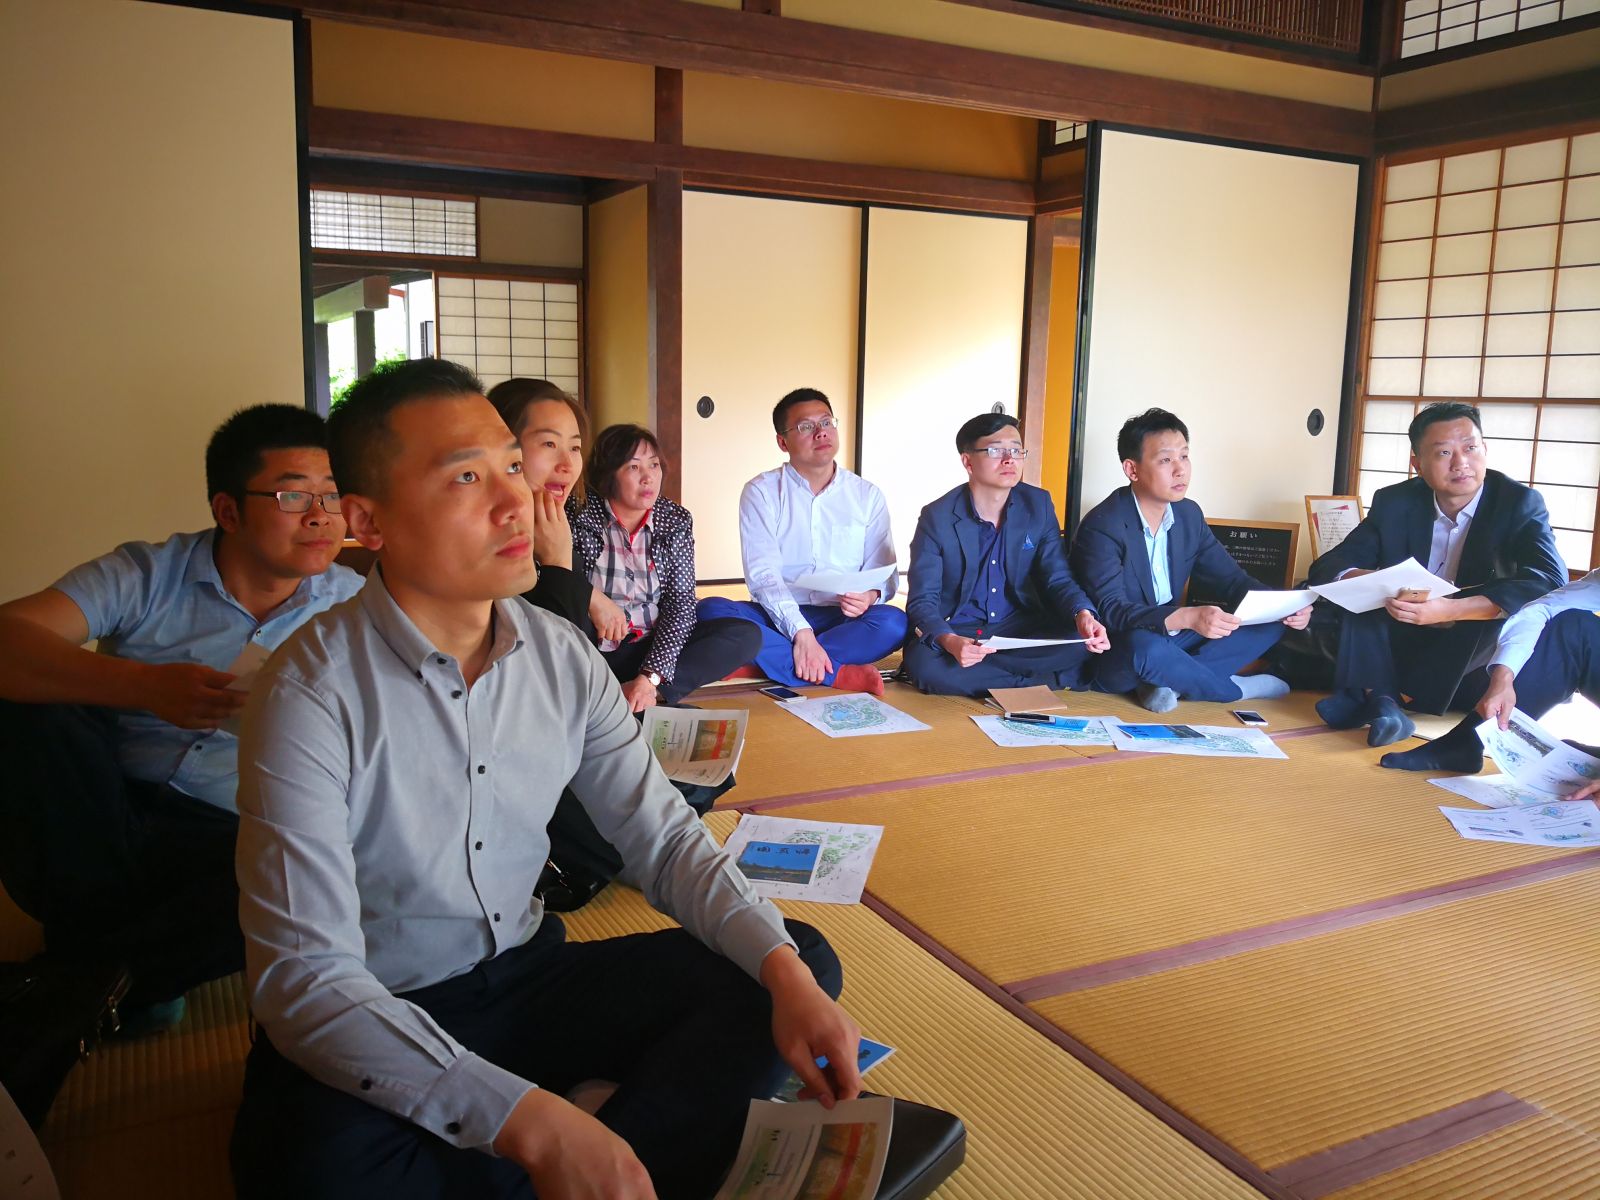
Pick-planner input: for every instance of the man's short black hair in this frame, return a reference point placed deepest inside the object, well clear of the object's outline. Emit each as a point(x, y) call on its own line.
point(780, 413)
point(1130, 438)
point(235, 450)
point(612, 450)
point(1445, 410)
point(360, 441)
point(981, 426)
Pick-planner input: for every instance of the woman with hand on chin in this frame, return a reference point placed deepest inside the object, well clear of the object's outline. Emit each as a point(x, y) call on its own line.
point(637, 548)
point(552, 429)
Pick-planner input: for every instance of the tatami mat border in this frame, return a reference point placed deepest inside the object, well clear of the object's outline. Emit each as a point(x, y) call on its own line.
point(1123, 1082)
point(772, 803)
point(1059, 983)
point(1332, 1170)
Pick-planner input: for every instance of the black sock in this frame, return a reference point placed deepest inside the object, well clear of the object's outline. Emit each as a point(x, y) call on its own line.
point(1458, 750)
point(1388, 723)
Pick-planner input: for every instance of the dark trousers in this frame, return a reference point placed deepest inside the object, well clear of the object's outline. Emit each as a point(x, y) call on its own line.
point(685, 1033)
point(114, 867)
point(1194, 666)
point(847, 640)
point(1436, 667)
point(932, 670)
point(1566, 662)
point(715, 649)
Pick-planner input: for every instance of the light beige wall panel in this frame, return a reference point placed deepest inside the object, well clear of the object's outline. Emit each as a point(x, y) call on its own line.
point(414, 75)
point(152, 265)
point(763, 116)
point(1060, 41)
point(943, 343)
point(530, 232)
point(1225, 302)
point(770, 297)
point(617, 311)
point(1491, 68)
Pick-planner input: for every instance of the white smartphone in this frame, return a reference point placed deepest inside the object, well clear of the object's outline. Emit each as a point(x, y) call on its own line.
point(1249, 716)
point(780, 693)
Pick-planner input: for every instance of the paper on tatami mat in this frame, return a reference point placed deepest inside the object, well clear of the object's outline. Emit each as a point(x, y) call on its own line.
point(1040, 1125)
point(1293, 1050)
point(784, 756)
point(1033, 874)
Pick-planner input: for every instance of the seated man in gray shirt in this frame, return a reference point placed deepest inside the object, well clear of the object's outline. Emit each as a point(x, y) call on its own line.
point(421, 1015)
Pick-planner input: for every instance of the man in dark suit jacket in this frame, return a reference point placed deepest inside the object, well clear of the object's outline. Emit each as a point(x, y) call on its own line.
point(1136, 552)
point(987, 561)
point(1477, 528)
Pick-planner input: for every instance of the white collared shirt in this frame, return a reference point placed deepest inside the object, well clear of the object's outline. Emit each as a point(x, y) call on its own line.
point(1444, 552)
point(1520, 634)
point(786, 531)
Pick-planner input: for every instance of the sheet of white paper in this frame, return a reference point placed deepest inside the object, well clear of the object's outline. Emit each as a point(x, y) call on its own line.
point(843, 863)
point(1557, 823)
point(1204, 741)
point(1363, 593)
point(1536, 758)
point(696, 745)
point(840, 582)
point(807, 1152)
point(24, 1171)
point(1260, 608)
point(851, 714)
point(1005, 643)
point(1062, 731)
point(244, 668)
point(1491, 791)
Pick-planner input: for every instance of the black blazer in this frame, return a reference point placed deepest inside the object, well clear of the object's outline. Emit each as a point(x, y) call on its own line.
point(944, 561)
point(1108, 555)
point(1510, 555)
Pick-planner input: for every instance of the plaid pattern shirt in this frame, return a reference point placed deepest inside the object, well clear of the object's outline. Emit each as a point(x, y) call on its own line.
point(626, 571)
point(669, 555)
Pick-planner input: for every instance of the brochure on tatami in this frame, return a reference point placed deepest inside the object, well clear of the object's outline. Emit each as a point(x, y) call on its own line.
point(807, 1152)
point(1537, 759)
point(788, 859)
point(696, 745)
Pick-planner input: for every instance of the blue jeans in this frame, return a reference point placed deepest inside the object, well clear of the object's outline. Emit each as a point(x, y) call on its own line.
point(847, 640)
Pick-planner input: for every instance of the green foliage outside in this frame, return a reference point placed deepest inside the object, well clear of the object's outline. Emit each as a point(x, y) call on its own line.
point(340, 382)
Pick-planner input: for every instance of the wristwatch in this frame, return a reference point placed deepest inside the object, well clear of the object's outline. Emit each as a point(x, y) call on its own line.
point(654, 678)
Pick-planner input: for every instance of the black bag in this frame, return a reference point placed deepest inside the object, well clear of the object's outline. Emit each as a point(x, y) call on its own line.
point(52, 1013)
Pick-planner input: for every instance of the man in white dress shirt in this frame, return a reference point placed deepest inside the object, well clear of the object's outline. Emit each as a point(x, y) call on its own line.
point(812, 516)
point(1547, 653)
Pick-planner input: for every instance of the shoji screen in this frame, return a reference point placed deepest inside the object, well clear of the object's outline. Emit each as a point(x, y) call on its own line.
point(152, 280)
point(1221, 286)
point(943, 343)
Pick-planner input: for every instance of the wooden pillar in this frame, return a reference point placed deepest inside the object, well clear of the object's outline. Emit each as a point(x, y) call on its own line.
point(666, 285)
point(1035, 342)
point(319, 372)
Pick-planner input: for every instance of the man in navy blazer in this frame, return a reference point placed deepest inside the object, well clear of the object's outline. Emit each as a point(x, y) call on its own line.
point(1484, 532)
point(987, 560)
point(1137, 550)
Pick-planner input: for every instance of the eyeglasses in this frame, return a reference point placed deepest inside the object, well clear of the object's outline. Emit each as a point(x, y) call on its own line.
point(811, 428)
point(299, 502)
point(1016, 452)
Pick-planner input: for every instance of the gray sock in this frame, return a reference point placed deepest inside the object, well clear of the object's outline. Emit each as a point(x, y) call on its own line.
point(1260, 687)
point(1156, 699)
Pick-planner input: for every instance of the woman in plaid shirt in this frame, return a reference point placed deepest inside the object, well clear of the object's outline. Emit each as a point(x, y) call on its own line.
point(637, 548)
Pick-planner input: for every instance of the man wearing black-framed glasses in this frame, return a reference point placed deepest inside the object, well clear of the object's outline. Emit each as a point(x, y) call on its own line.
point(987, 560)
point(118, 826)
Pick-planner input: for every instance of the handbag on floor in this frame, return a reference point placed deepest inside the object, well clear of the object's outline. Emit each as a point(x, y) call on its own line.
point(52, 1013)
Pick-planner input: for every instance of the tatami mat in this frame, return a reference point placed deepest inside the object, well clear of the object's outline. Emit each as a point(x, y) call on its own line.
point(785, 757)
point(1033, 874)
point(1301, 1047)
point(1040, 1124)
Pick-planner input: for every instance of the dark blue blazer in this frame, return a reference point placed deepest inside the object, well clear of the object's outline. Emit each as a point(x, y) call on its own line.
point(1109, 556)
point(945, 561)
point(1510, 555)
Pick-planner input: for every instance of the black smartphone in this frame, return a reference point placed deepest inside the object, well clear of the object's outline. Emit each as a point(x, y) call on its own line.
point(780, 693)
point(1029, 718)
point(1249, 716)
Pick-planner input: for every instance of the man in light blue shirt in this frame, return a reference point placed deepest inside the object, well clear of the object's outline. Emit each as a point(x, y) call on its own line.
point(117, 830)
point(423, 1018)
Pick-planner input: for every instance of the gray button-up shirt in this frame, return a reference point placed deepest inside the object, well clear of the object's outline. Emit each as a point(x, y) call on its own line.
point(393, 826)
